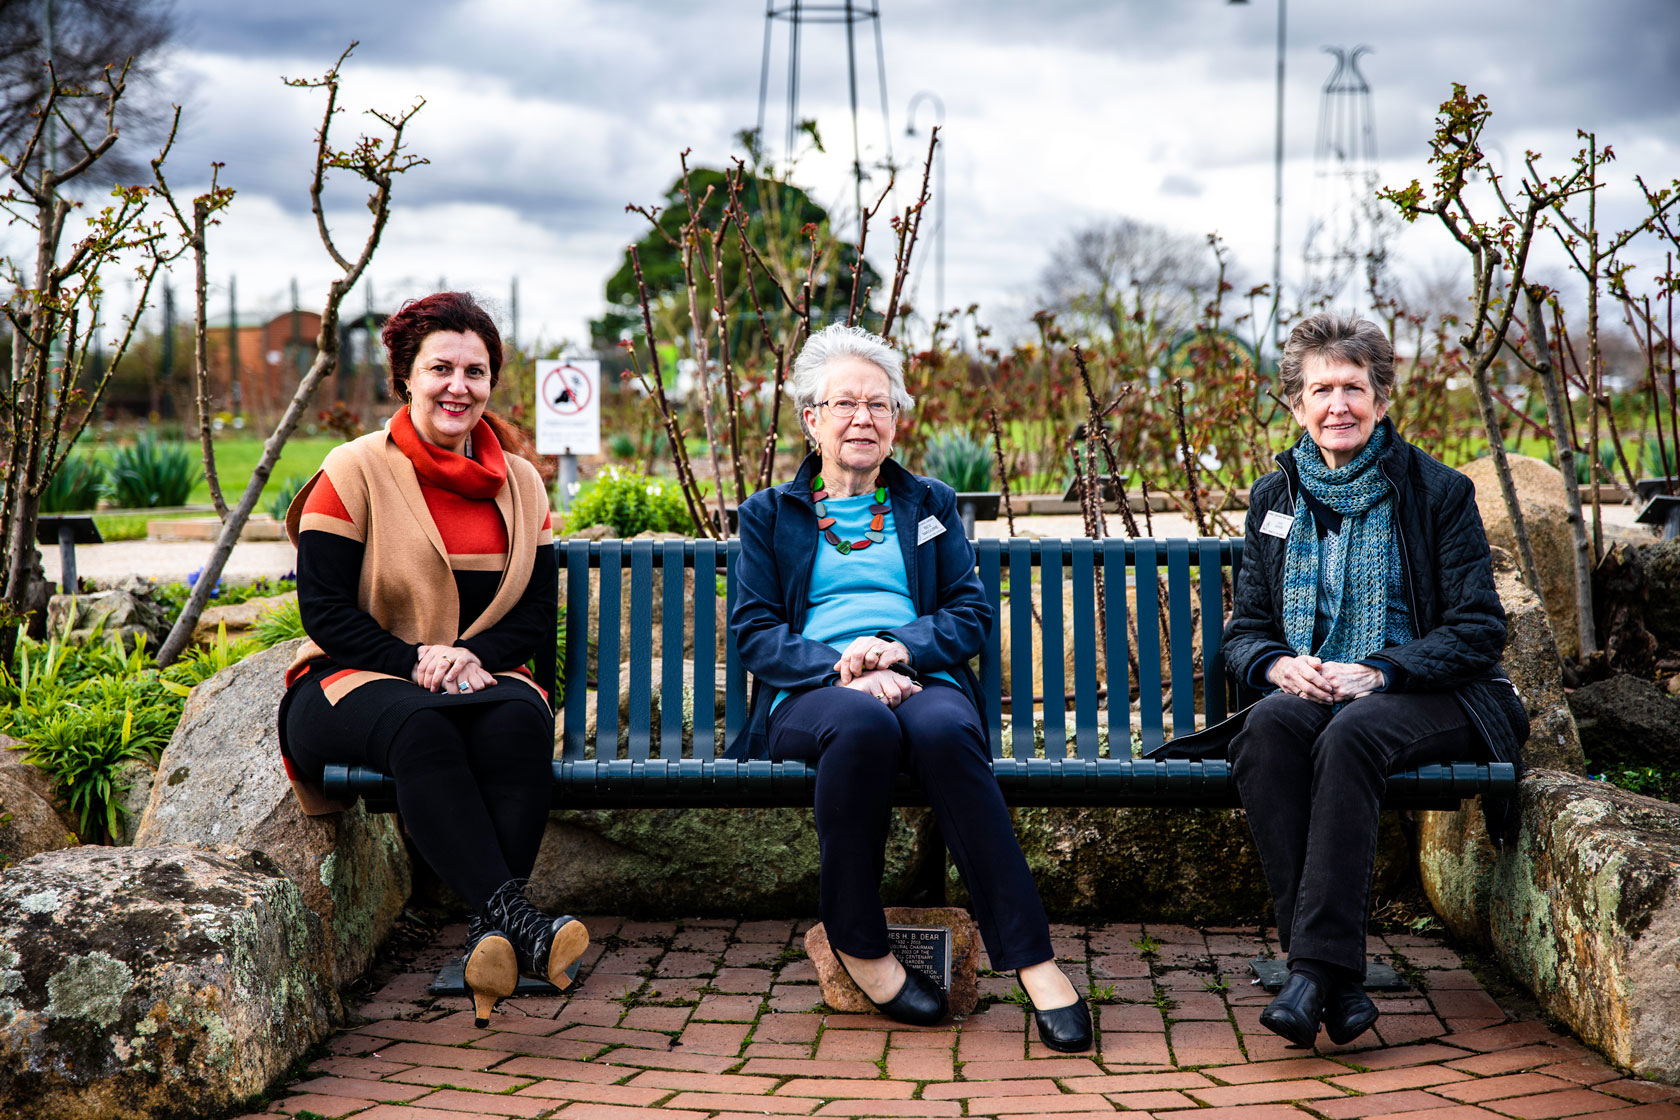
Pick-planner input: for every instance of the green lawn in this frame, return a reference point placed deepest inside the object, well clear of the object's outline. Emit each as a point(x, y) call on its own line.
point(236, 459)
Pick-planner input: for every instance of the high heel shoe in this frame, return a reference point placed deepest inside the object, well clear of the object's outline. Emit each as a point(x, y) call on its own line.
point(546, 947)
point(1067, 1029)
point(491, 967)
point(920, 1002)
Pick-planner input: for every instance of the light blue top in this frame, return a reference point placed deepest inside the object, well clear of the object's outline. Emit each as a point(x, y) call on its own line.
point(862, 593)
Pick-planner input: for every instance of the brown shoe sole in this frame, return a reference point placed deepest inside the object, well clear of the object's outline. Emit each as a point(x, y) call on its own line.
point(570, 942)
point(492, 973)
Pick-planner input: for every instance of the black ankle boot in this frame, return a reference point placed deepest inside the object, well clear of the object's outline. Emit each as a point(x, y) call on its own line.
point(1349, 1012)
point(546, 947)
point(1296, 1011)
point(490, 966)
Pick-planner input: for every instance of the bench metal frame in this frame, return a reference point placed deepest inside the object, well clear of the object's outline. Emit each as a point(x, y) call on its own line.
point(654, 771)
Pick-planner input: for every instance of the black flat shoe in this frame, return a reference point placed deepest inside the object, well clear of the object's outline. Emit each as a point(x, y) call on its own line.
point(1067, 1029)
point(1349, 1013)
point(1296, 1011)
point(920, 1002)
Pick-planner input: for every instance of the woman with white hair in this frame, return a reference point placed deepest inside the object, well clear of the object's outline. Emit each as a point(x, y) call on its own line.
point(857, 611)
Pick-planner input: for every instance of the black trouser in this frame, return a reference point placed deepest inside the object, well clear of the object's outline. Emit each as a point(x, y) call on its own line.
point(859, 744)
point(1312, 781)
point(474, 786)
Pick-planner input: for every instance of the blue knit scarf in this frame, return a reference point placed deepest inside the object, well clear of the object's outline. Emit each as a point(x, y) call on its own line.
point(1365, 554)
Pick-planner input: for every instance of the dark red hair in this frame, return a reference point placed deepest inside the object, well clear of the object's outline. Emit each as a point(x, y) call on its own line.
point(456, 313)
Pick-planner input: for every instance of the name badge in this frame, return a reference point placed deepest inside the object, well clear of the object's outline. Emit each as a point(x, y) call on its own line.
point(929, 528)
point(1276, 525)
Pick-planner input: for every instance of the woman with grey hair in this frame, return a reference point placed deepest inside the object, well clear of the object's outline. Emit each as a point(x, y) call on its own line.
point(857, 611)
point(1365, 607)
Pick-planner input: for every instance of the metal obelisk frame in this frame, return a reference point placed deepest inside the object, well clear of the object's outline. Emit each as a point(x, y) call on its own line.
point(797, 14)
point(1344, 229)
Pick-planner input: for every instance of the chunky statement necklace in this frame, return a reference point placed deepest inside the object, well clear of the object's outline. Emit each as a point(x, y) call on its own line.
point(825, 523)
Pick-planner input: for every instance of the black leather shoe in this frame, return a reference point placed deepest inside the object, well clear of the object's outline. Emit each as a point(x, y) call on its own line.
point(920, 1002)
point(1296, 1011)
point(1067, 1029)
point(1349, 1012)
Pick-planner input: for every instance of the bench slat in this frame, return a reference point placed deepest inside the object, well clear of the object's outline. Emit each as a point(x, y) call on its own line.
point(705, 649)
point(1085, 648)
point(734, 673)
point(671, 655)
point(640, 721)
point(576, 677)
point(988, 556)
point(607, 652)
point(1180, 629)
point(1210, 571)
point(1119, 645)
point(1020, 649)
point(1052, 634)
point(1146, 564)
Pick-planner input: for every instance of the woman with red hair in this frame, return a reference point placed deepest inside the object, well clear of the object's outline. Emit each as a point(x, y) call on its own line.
point(426, 581)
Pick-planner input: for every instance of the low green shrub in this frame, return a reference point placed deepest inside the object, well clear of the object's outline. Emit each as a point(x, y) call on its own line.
point(78, 485)
point(150, 474)
point(281, 501)
point(279, 623)
point(631, 503)
point(959, 460)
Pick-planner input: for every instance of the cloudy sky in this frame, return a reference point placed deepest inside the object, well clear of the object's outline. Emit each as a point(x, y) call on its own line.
point(543, 119)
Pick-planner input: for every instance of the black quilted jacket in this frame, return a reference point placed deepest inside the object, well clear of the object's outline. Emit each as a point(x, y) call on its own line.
point(1449, 585)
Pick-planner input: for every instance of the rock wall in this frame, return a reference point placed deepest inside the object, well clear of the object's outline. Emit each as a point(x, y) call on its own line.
point(154, 982)
point(1583, 908)
point(1539, 487)
point(754, 863)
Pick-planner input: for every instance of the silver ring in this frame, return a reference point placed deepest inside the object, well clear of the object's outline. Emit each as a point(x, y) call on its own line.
point(465, 687)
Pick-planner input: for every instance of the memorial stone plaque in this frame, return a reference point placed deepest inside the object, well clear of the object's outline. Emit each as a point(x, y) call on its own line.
point(925, 948)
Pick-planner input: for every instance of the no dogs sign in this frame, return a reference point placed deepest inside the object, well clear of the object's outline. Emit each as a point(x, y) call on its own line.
point(569, 406)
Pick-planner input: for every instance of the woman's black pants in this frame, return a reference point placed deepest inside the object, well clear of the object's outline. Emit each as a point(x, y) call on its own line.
point(1312, 781)
point(858, 745)
point(474, 786)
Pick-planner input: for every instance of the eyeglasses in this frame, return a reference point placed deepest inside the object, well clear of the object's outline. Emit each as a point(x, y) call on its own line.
point(846, 408)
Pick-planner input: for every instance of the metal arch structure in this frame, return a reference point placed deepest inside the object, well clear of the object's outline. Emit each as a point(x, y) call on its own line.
point(1345, 230)
point(849, 13)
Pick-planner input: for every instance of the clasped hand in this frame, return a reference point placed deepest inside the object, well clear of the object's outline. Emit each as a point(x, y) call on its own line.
point(867, 654)
point(446, 668)
point(888, 687)
point(1327, 682)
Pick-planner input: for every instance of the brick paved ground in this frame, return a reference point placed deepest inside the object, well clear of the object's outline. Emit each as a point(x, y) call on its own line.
point(703, 1018)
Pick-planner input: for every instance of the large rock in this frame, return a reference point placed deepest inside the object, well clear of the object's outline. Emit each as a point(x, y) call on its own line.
point(239, 618)
point(1194, 866)
point(220, 782)
point(1626, 722)
point(1583, 907)
point(842, 993)
point(1539, 487)
point(29, 824)
point(128, 611)
point(153, 983)
point(1661, 561)
point(757, 863)
point(1531, 661)
point(1636, 604)
point(132, 782)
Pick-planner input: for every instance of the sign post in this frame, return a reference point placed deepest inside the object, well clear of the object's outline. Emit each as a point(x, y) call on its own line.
point(568, 415)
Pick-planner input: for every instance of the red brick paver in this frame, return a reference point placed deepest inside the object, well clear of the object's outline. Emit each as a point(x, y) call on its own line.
point(716, 1018)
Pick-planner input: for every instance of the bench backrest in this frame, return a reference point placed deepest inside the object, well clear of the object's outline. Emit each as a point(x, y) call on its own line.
point(684, 576)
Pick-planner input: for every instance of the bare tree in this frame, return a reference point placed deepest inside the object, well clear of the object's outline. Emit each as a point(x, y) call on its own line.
point(55, 312)
point(376, 160)
point(87, 37)
point(1108, 276)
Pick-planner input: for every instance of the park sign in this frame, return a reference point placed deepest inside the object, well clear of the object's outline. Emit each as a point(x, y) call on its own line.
point(568, 407)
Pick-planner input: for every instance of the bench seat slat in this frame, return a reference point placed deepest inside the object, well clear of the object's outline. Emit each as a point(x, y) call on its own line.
point(1051, 635)
point(705, 649)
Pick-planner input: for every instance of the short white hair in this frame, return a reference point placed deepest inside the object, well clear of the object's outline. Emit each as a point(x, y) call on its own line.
point(837, 340)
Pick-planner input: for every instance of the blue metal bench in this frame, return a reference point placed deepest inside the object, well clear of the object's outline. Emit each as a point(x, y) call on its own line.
point(1071, 768)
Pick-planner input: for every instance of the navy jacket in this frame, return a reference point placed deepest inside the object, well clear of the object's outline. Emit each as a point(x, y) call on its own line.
point(778, 530)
